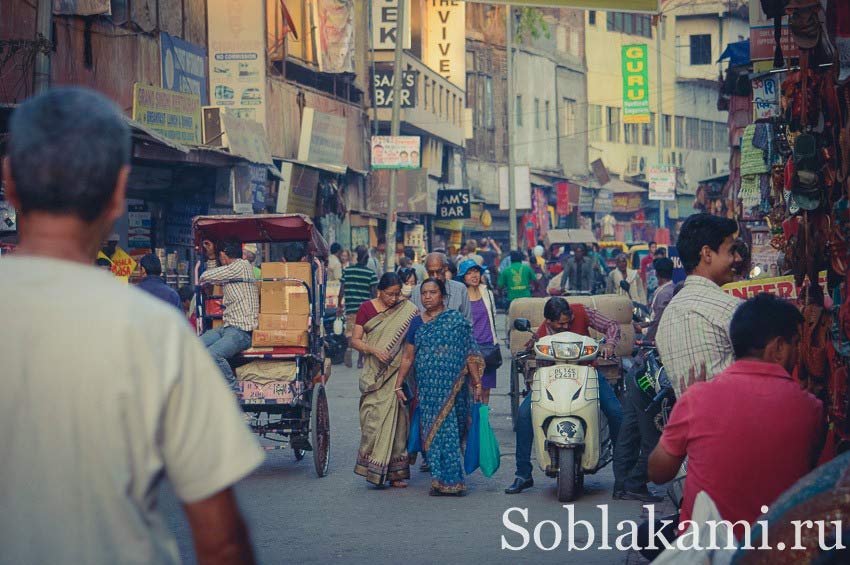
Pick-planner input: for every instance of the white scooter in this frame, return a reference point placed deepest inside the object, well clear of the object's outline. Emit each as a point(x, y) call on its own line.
point(570, 430)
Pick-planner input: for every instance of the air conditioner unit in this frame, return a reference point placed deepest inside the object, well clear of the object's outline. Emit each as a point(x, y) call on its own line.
point(212, 128)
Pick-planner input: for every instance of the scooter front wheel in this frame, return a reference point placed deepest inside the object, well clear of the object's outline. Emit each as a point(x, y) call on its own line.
point(569, 475)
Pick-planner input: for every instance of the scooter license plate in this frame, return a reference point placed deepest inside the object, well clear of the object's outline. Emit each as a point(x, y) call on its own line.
point(558, 373)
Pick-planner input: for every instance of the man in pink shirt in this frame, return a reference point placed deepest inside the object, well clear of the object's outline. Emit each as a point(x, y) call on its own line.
point(750, 433)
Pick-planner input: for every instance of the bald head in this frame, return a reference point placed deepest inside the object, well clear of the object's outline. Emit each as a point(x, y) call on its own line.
point(436, 264)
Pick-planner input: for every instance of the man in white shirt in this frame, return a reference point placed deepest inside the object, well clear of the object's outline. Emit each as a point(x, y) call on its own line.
point(694, 330)
point(130, 395)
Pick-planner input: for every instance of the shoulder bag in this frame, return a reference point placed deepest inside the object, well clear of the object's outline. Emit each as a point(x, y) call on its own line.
point(491, 352)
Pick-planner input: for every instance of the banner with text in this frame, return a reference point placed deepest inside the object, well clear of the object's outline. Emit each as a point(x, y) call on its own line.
point(184, 66)
point(385, 24)
point(453, 204)
point(639, 6)
point(174, 115)
point(445, 49)
point(662, 182)
point(635, 85)
point(395, 152)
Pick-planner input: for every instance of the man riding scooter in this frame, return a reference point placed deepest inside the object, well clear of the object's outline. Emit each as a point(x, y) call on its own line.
point(560, 316)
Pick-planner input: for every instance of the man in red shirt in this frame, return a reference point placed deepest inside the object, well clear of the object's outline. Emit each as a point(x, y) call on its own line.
point(647, 261)
point(750, 433)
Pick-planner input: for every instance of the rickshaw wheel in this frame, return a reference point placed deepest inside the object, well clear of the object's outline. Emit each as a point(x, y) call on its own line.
point(320, 430)
point(515, 393)
point(299, 453)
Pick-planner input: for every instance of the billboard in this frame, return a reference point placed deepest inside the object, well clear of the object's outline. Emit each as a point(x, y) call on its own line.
point(184, 66)
point(662, 182)
point(640, 6)
point(396, 152)
point(635, 85)
point(385, 24)
point(445, 49)
point(173, 115)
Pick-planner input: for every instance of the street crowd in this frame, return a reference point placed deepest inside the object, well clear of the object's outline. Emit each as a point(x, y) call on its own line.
point(133, 396)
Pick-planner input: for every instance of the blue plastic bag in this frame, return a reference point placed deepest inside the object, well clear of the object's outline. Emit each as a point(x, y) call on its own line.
point(414, 440)
point(488, 454)
point(470, 455)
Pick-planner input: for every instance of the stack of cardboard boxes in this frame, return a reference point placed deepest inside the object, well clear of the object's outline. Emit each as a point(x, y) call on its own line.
point(284, 306)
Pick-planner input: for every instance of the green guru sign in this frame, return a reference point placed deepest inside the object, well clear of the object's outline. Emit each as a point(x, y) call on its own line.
point(635, 85)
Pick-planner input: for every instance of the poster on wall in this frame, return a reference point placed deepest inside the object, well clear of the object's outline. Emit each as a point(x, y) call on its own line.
point(184, 66)
point(662, 182)
point(445, 49)
point(336, 35)
point(635, 85)
point(395, 152)
point(173, 115)
point(385, 24)
point(322, 140)
point(522, 188)
point(237, 58)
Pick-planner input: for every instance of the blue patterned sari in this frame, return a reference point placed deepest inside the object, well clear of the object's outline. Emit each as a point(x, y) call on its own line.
point(443, 348)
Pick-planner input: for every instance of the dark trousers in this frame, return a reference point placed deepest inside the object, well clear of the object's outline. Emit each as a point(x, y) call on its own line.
point(637, 438)
point(666, 531)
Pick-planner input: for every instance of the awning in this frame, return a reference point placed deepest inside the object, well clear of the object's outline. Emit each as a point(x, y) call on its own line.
point(537, 180)
point(738, 53)
point(615, 185)
point(715, 178)
point(328, 168)
point(567, 237)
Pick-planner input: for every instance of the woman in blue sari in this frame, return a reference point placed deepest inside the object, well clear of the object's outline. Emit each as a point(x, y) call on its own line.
point(441, 347)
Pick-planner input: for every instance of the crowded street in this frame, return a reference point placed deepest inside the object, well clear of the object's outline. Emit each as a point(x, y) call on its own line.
point(296, 517)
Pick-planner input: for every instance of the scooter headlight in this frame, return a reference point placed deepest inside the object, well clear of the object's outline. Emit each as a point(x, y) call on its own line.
point(568, 351)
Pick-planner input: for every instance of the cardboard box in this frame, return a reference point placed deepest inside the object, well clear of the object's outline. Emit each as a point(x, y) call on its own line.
point(284, 322)
point(301, 271)
point(279, 338)
point(280, 297)
point(217, 290)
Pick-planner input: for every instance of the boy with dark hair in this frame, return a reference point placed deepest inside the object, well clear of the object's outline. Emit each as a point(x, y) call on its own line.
point(153, 283)
point(752, 432)
point(359, 283)
point(694, 330)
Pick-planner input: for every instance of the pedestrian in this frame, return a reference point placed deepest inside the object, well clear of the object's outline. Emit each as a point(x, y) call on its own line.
point(408, 282)
point(561, 316)
point(133, 396)
point(646, 262)
point(345, 259)
point(187, 297)
point(483, 307)
point(441, 348)
point(750, 433)
point(410, 253)
point(209, 259)
point(241, 303)
point(457, 297)
point(516, 279)
point(578, 274)
point(377, 256)
point(154, 284)
point(470, 251)
point(633, 288)
point(251, 257)
point(694, 330)
point(663, 268)
point(651, 276)
point(335, 262)
point(359, 283)
point(379, 333)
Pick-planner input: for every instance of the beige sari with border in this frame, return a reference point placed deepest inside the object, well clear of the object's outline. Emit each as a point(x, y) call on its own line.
point(384, 424)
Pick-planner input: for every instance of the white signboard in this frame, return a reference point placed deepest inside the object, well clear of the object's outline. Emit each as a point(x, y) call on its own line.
point(662, 182)
point(522, 188)
point(766, 98)
point(322, 140)
point(385, 22)
point(445, 49)
point(237, 57)
point(396, 152)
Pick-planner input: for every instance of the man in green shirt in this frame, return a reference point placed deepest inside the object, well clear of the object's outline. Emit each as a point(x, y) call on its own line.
point(517, 278)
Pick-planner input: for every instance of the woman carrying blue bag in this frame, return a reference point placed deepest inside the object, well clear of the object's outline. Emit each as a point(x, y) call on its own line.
point(441, 347)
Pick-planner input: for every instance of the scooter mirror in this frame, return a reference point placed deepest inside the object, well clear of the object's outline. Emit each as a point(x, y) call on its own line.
point(522, 325)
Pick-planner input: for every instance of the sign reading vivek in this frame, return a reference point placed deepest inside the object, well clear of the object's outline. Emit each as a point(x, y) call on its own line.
point(446, 45)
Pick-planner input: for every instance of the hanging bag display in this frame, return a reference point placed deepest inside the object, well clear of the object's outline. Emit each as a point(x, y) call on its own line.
point(489, 456)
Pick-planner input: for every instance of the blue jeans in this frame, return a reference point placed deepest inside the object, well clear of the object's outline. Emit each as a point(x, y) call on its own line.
point(525, 432)
point(224, 343)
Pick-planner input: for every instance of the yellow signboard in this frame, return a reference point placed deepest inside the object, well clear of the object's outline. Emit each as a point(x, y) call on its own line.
point(783, 287)
point(643, 6)
point(173, 115)
point(122, 264)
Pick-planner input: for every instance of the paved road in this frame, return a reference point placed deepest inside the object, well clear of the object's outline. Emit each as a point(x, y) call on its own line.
point(295, 517)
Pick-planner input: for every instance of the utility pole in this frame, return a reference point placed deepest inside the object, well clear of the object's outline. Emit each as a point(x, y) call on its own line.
point(395, 127)
point(659, 117)
point(44, 29)
point(509, 48)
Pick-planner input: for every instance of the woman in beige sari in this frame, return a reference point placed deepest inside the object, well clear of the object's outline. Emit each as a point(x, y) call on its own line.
point(379, 333)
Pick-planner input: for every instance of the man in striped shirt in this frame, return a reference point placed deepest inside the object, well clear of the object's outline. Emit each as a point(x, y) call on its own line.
point(241, 303)
point(358, 286)
point(694, 329)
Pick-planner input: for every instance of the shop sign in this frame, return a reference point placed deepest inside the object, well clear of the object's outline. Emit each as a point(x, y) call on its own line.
point(396, 152)
point(453, 204)
point(445, 48)
point(662, 182)
point(246, 138)
point(122, 264)
point(626, 203)
point(237, 58)
point(249, 188)
point(604, 202)
point(414, 236)
point(322, 139)
point(385, 24)
point(383, 88)
point(783, 287)
point(297, 191)
point(766, 98)
point(173, 115)
point(184, 66)
point(522, 188)
point(563, 195)
point(336, 35)
point(762, 43)
point(637, 6)
point(635, 85)
point(679, 273)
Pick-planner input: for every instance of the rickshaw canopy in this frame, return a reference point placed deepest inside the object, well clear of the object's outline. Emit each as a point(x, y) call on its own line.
point(569, 237)
point(261, 228)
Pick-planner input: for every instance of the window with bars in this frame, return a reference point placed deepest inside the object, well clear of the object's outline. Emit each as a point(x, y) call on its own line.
point(518, 110)
point(648, 131)
point(691, 133)
point(721, 137)
point(632, 133)
point(546, 112)
point(632, 24)
point(568, 112)
point(594, 122)
point(667, 131)
point(536, 113)
point(706, 135)
point(613, 115)
point(700, 49)
point(591, 17)
point(680, 131)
